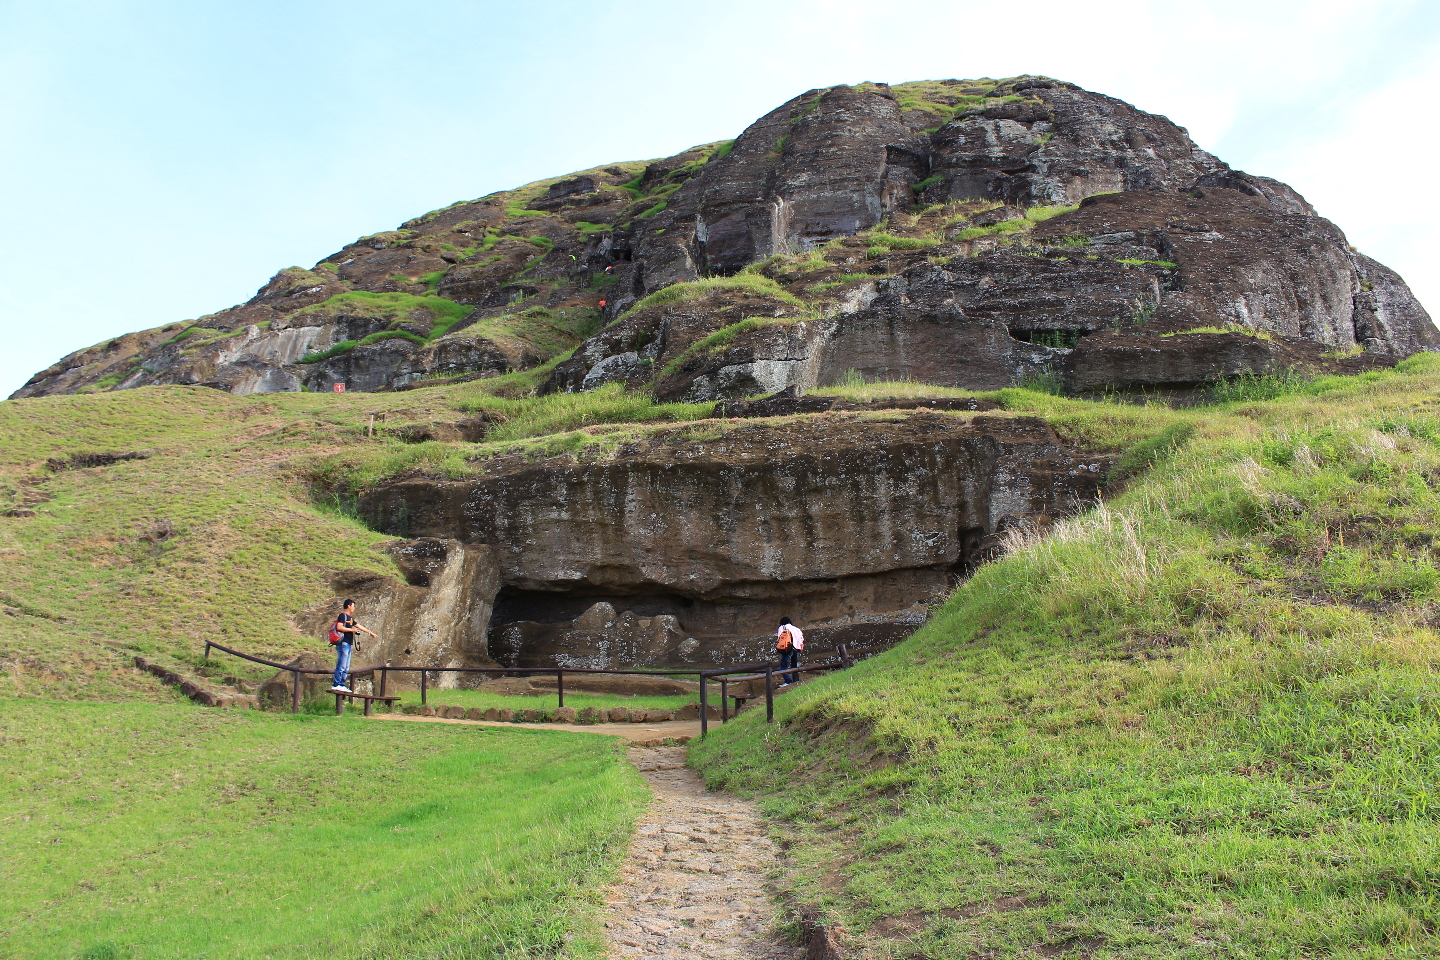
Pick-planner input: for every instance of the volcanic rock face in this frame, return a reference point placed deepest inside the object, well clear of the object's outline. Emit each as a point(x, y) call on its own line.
point(831, 163)
point(936, 182)
point(438, 616)
point(972, 234)
point(686, 551)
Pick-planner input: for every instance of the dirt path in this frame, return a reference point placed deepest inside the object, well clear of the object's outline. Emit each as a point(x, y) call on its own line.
point(694, 883)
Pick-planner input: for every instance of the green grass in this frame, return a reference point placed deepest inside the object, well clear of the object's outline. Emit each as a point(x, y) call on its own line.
point(882, 243)
point(1197, 721)
point(172, 831)
point(1042, 213)
point(1264, 386)
point(743, 283)
point(540, 329)
point(717, 341)
point(396, 307)
point(1239, 328)
point(392, 335)
point(484, 699)
point(888, 390)
point(557, 424)
point(559, 412)
point(1003, 228)
point(1033, 215)
point(187, 332)
point(247, 536)
point(339, 349)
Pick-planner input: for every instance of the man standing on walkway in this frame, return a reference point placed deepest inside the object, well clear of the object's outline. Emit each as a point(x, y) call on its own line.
point(342, 634)
point(788, 643)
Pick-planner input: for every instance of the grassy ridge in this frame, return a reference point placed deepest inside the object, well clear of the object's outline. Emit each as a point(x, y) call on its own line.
point(136, 831)
point(250, 544)
point(1199, 721)
point(248, 550)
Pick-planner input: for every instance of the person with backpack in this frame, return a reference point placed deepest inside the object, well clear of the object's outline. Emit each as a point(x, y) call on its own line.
point(342, 636)
point(788, 643)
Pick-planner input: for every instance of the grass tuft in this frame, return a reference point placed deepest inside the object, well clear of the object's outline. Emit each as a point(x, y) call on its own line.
point(747, 283)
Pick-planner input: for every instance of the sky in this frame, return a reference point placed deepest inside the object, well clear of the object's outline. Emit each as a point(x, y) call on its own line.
point(161, 160)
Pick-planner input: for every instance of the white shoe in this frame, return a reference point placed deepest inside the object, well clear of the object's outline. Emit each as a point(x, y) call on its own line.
point(341, 690)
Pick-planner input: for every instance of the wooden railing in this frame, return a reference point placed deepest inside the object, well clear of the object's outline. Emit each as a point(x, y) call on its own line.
point(726, 675)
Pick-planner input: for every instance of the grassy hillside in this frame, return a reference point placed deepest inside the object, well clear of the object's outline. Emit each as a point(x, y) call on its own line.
point(1200, 720)
point(138, 831)
point(230, 522)
point(235, 511)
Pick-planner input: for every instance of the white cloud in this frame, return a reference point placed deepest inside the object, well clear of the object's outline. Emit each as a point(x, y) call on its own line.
point(1369, 172)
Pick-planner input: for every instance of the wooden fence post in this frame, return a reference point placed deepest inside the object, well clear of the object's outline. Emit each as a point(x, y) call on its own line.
point(560, 685)
point(769, 694)
point(422, 685)
point(295, 693)
point(704, 709)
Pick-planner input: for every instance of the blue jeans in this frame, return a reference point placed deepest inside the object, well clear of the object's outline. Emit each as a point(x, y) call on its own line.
point(789, 658)
point(342, 662)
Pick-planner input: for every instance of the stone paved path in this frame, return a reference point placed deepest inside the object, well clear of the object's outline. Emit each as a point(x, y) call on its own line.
point(694, 885)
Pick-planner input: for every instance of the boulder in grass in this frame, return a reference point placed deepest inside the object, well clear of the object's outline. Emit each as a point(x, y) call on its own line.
point(532, 716)
point(492, 714)
point(506, 715)
point(589, 715)
point(453, 713)
point(660, 716)
point(474, 713)
point(619, 715)
point(638, 716)
point(565, 715)
point(425, 710)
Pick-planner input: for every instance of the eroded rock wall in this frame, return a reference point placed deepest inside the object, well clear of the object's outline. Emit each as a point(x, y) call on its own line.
point(690, 551)
point(437, 616)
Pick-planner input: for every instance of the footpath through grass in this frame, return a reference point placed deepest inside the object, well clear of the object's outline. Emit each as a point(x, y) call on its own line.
point(137, 831)
point(1201, 720)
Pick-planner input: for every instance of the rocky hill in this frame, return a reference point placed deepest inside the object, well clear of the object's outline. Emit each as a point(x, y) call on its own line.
point(972, 234)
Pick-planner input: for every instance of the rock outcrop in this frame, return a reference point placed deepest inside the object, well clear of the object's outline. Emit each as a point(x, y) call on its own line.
point(437, 616)
point(902, 226)
point(678, 551)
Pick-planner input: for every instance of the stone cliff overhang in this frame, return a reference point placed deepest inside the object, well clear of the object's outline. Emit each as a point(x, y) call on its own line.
point(835, 520)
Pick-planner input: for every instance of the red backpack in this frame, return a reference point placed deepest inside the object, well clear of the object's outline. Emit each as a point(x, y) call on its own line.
point(335, 635)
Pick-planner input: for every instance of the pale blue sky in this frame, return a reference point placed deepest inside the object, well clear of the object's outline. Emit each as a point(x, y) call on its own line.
point(162, 159)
